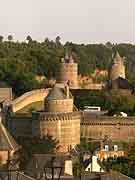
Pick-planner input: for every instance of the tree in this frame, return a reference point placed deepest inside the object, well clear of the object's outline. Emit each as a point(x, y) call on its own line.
point(109, 45)
point(117, 103)
point(10, 37)
point(29, 38)
point(57, 41)
point(1, 38)
point(38, 145)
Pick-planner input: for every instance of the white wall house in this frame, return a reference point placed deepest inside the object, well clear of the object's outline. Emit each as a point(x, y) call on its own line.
point(94, 166)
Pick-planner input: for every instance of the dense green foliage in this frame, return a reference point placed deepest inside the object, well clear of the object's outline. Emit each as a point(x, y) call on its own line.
point(44, 145)
point(113, 101)
point(91, 98)
point(86, 146)
point(20, 62)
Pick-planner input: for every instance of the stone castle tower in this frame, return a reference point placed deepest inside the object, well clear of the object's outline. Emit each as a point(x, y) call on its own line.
point(68, 72)
point(117, 68)
point(58, 119)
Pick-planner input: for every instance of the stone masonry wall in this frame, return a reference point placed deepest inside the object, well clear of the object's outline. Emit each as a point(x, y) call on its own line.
point(28, 98)
point(68, 72)
point(65, 127)
point(116, 128)
point(65, 105)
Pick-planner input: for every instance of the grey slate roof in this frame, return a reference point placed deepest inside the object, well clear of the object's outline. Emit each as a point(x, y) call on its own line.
point(56, 94)
point(7, 142)
point(117, 55)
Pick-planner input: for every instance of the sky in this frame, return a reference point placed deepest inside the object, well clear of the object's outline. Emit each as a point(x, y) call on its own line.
point(79, 21)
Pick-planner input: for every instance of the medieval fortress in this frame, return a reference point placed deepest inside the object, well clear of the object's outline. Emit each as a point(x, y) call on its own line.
point(62, 120)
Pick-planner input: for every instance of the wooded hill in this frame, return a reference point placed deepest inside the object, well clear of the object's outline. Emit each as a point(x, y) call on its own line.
point(20, 62)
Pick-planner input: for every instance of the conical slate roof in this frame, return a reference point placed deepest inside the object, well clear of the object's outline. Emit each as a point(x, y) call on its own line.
point(7, 142)
point(117, 55)
point(117, 58)
point(56, 94)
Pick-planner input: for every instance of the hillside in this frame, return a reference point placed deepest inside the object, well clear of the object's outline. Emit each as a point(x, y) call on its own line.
point(21, 62)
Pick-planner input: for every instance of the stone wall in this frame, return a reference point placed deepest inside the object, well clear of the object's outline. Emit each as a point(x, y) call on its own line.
point(65, 105)
point(65, 127)
point(28, 98)
point(116, 128)
point(117, 70)
point(68, 72)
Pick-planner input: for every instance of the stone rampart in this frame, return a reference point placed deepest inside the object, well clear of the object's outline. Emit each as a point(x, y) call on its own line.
point(65, 127)
point(116, 128)
point(28, 98)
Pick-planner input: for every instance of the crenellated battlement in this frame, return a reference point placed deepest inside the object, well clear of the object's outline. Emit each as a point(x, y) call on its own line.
point(117, 128)
point(43, 116)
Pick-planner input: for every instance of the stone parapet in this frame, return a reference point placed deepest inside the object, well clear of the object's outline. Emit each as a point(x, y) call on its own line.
point(45, 116)
point(116, 128)
point(28, 98)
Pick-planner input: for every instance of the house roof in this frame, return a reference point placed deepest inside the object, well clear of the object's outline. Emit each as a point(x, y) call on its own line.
point(7, 142)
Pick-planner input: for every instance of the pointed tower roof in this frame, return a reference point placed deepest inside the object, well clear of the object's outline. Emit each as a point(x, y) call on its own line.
point(117, 58)
point(117, 55)
point(7, 142)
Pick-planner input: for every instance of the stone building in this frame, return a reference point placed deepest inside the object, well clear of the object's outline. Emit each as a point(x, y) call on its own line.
point(109, 149)
point(58, 119)
point(68, 72)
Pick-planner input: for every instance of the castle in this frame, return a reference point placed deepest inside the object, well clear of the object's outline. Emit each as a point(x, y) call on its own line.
point(60, 118)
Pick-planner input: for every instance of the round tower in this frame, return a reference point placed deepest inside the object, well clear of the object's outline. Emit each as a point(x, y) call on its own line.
point(58, 119)
point(117, 68)
point(68, 72)
point(59, 100)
